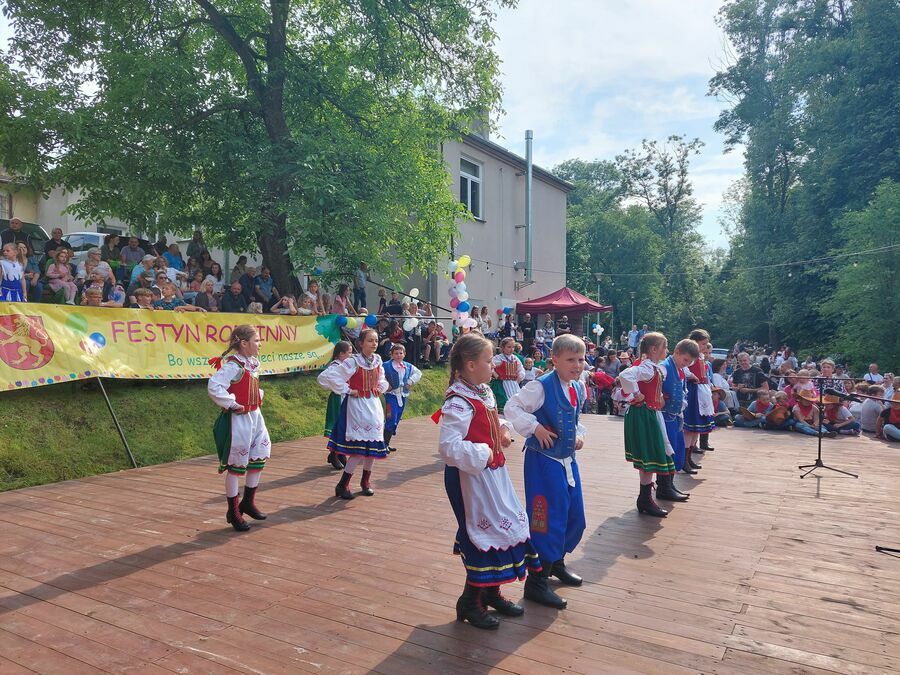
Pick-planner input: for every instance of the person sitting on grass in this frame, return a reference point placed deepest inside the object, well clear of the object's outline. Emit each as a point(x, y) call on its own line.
point(169, 300)
point(806, 415)
point(754, 416)
point(887, 426)
point(838, 418)
point(722, 416)
point(779, 417)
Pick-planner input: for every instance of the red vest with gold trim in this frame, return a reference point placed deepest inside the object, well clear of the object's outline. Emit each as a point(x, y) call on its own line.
point(508, 370)
point(485, 428)
point(365, 381)
point(246, 389)
point(698, 369)
point(652, 391)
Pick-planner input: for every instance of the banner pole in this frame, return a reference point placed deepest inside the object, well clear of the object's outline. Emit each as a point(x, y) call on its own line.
point(116, 420)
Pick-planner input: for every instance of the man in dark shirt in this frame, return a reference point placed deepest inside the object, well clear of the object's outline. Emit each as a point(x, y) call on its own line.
point(56, 243)
point(394, 307)
point(747, 380)
point(247, 282)
point(563, 327)
point(234, 300)
point(528, 327)
point(14, 233)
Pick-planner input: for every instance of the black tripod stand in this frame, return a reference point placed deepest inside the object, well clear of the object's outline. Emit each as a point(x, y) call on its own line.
point(819, 464)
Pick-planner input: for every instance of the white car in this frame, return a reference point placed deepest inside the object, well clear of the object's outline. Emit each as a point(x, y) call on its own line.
point(82, 242)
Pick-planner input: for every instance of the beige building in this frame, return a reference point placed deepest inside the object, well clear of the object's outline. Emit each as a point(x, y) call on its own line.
point(489, 180)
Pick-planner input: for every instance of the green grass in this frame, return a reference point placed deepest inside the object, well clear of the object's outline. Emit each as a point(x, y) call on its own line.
point(60, 432)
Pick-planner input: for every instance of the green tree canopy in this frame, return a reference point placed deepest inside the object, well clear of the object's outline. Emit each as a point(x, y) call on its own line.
point(307, 129)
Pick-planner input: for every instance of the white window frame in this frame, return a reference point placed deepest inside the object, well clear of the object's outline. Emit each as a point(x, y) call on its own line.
point(477, 179)
point(5, 205)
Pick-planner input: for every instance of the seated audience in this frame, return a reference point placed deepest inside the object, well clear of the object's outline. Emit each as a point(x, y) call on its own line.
point(285, 305)
point(838, 418)
point(59, 274)
point(264, 290)
point(143, 299)
point(206, 297)
point(887, 426)
point(173, 257)
point(234, 300)
point(806, 415)
point(780, 418)
point(722, 415)
point(171, 301)
point(754, 416)
point(870, 410)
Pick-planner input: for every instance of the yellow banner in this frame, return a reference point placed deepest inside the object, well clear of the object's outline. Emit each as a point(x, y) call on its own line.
point(46, 344)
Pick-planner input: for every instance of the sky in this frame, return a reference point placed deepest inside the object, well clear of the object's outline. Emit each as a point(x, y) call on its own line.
point(595, 77)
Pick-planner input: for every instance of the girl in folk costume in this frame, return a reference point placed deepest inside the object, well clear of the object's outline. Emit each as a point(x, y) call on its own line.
point(674, 395)
point(706, 350)
point(699, 416)
point(646, 445)
point(242, 439)
point(508, 371)
point(359, 430)
point(401, 375)
point(493, 535)
point(13, 286)
point(342, 351)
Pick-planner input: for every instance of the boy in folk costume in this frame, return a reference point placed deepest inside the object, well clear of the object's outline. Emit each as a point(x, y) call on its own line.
point(242, 439)
point(508, 372)
point(401, 375)
point(492, 538)
point(342, 351)
point(699, 416)
point(547, 413)
point(674, 396)
point(646, 444)
point(359, 430)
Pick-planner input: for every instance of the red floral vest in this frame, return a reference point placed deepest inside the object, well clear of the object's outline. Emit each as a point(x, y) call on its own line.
point(485, 428)
point(246, 389)
point(508, 370)
point(652, 391)
point(365, 381)
point(698, 368)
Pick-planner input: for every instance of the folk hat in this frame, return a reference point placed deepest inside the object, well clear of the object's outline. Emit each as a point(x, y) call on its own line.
point(806, 395)
point(830, 400)
point(778, 416)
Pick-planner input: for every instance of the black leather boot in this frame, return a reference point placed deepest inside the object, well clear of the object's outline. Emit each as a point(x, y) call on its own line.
point(689, 460)
point(665, 489)
point(364, 484)
point(248, 505)
point(334, 460)
point(537, 589)
point(645, 503)
point(233, 516)
point(470, 608)
point(675, 488)
point(566, 577)
point(342, 489)
point(704, 442)
point(687, 468)
point(492, 597)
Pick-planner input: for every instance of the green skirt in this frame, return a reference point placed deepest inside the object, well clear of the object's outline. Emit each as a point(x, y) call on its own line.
point(645, 447)
point(331, 413)
point(222, 437)
point(499, 394)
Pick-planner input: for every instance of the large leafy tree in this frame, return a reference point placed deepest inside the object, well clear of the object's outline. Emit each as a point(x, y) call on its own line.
point(307, 129)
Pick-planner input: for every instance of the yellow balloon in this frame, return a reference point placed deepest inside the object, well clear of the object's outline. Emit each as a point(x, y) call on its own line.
point(351, 322)
point(464, 261)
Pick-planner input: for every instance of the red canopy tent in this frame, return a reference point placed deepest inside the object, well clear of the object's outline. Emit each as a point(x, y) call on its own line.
point(564, 301)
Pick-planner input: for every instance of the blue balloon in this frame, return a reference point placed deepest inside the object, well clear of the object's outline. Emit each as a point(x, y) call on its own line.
point(98, 338)
point(342, 321)
point(371, 320)
point(318, 271)
point(507, 310)
point(464, 306)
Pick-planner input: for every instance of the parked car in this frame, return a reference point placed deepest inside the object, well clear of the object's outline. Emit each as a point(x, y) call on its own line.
point(82, 242)
point(37, 234)
point(719, 353)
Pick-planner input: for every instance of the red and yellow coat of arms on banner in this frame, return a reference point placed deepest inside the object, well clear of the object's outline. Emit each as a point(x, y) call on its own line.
point(24, 343)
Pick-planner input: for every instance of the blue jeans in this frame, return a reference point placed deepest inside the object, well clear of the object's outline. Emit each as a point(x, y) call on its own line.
point(807, 429)
point(739, 421)
point(891, 432)
point(359, 298)
point(848, 429)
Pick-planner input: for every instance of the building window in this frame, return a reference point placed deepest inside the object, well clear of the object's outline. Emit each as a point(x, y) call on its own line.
point(470, 186)
point(4, 206)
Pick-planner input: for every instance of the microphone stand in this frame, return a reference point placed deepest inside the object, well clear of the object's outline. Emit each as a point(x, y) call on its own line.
point(819, 464)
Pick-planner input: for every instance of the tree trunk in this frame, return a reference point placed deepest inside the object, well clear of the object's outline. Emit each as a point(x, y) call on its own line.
point(271, 246)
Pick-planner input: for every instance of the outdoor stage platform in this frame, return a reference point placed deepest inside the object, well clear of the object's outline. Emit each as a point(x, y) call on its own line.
point(759, 572)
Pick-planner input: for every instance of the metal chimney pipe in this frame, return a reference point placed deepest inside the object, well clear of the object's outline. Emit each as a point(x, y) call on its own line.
point(529, 233)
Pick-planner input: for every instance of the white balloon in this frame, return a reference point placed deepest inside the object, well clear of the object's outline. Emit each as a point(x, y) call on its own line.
point(461, 287)
point(451, 266)
point(462, 296)
point(414, 293)
point(455, 314)
point(470, 323)
point(462, 315)
point(410, 324)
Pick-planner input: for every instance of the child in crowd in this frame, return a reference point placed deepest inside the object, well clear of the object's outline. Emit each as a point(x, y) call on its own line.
point(242, 440)
point(699, 416)
point(531, 373)
point(508, 372)
point(754, 416)
point(342, 351)
point(603, 385)
point(359, 430)
point(646, 444)
point(170, 302)
point(674, 402)
point(723, 416)
point(13, 286)
point(547, 411)
point(803, 383)
point(401, 375)
point(838, 418)
point(870, 410)
point(780, 417)
point(706, 352)
point(60, 275)
point(471, 442)
point(887, 426)
point(855, 407)
point(806, 415)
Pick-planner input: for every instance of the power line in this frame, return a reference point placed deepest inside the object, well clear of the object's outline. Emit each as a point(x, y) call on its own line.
point(880, 249)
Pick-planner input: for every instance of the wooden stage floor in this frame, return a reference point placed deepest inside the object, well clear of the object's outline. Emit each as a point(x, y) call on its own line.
point(759, 572)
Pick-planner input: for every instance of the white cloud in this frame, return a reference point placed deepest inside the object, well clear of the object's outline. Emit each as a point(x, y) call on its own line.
point(594, 78)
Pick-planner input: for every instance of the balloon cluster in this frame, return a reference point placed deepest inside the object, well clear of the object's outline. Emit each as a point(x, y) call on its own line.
point(596, 329)
point(504, 311)
point(459, 294)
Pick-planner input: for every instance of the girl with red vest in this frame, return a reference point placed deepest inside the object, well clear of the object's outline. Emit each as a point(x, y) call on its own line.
point(359, 431)
point(493, 537)
point(699, 416)
point(646, 444)
point(242, 439)
point(508, 372)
